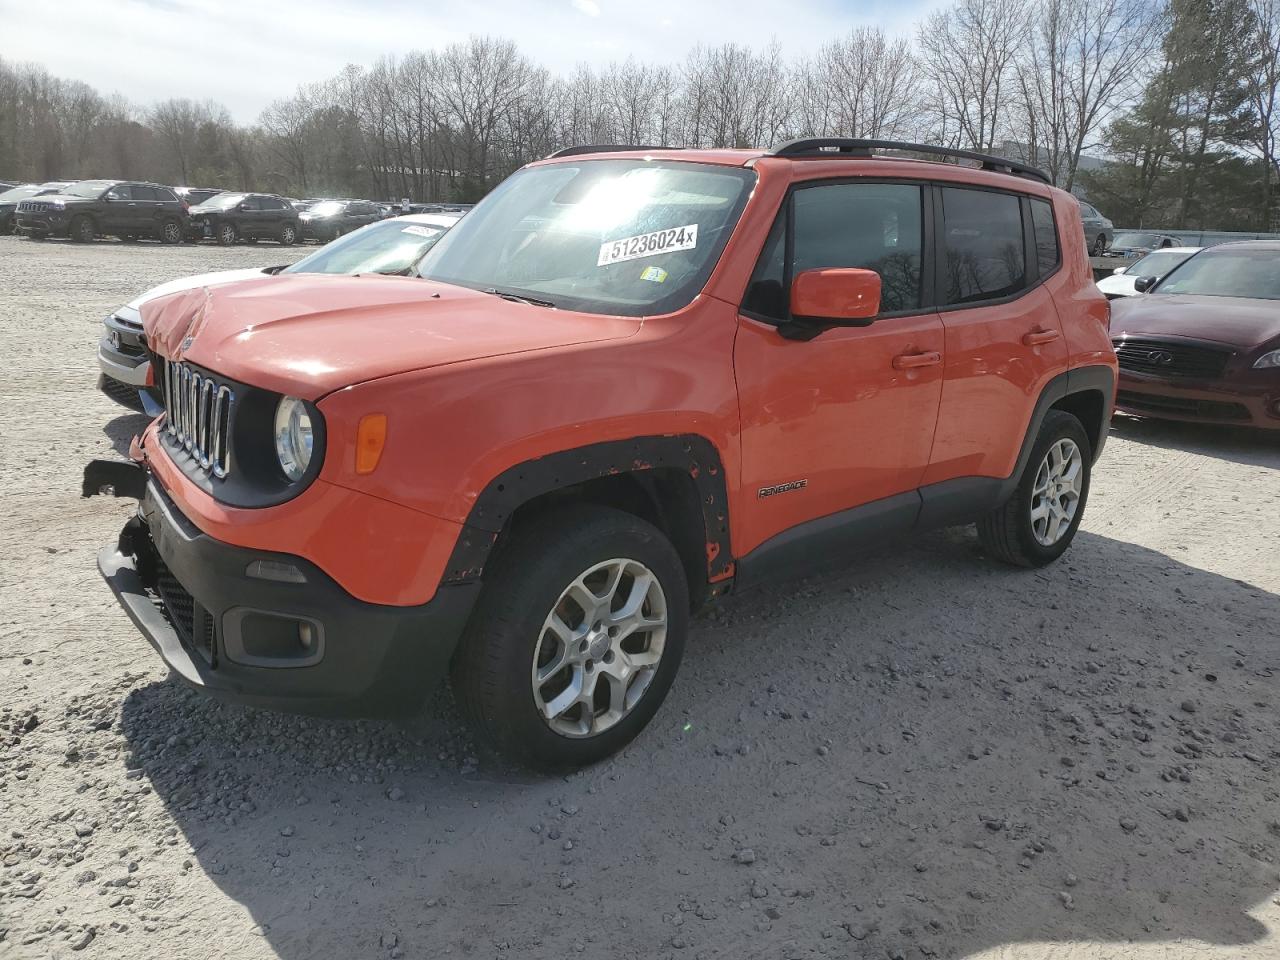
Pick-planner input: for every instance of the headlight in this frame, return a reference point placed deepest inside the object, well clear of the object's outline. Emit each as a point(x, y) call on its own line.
point(1268, 361)
point(293, 437)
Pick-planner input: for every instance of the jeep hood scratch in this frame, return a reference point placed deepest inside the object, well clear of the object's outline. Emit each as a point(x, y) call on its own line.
point(308, 335)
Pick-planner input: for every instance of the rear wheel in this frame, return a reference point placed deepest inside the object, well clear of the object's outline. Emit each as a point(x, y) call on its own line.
point(81, 230)
point(576, 639)
point(226, 234)
point(171, 232)
point(1100, 245)
point(1039, 521)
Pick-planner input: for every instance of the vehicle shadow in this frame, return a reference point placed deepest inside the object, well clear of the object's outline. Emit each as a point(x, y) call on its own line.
point(924, 754)
point(121, 430)
point(1246, 445)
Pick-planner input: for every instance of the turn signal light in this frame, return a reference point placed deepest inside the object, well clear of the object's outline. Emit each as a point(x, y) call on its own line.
point(371, 437)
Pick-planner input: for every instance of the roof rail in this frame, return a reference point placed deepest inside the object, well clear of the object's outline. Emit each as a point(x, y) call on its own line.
point(820, 147)
point(605, 148)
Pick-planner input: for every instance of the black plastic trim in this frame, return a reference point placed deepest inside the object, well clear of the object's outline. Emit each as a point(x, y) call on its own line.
point(697, 456)
point(811, 546)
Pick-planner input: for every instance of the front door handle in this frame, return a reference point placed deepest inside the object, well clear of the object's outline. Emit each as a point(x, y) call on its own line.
point(909, 361)
point(1038, 337)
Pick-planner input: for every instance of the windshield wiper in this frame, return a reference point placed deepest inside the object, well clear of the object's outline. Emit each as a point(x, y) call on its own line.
point(517, 298)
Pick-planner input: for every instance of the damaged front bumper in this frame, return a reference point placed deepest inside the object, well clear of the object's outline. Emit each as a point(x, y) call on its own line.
point(268, 629)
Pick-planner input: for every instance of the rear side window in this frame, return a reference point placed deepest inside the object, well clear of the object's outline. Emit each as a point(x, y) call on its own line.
point(985, 258)
point(1046, 232)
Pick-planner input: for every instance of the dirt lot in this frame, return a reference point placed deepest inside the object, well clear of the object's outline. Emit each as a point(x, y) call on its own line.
point(923, 755)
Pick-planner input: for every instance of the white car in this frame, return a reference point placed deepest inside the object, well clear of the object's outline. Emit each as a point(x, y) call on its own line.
point(1154, 265)
point(388, 246)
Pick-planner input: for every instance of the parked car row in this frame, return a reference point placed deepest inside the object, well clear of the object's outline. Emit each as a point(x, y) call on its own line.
point(85, 209)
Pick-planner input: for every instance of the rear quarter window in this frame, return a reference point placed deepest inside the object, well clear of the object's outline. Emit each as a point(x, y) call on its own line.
point(1048, 254)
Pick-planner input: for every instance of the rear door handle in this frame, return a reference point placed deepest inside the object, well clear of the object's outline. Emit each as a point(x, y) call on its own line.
point(909, 361)
point(1037, 337)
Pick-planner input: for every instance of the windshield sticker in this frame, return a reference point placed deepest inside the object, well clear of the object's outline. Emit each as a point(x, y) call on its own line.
point(656, 274)
point(648, 245)
point(419, 231)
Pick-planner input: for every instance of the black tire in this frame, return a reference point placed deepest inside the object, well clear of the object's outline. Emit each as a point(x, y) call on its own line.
point(225, 234)
point(1007, 532)
point(171, 232)
point(288, 235)
point(1100, 245)
point(522, 584)
point(81, 230)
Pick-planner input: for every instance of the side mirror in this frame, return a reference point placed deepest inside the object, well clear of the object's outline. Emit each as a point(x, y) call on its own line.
point(1143, 284)
point(836, 296)
point(1118, 270)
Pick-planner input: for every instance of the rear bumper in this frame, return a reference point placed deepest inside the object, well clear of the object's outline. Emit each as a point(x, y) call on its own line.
point(1222, 402)
point(287, 637)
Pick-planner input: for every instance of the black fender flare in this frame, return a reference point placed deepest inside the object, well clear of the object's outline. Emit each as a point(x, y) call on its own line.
point(691, 454)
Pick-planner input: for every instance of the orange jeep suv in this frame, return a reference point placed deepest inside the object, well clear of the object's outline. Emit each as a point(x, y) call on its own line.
point(630, 380)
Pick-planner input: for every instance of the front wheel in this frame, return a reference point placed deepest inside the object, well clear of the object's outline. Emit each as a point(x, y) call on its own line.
point(576, 639)
point(226, 235)
point(288, 235)
point(1039, 520)
point(81, 230)
point(1100, 245)
point(171, 232)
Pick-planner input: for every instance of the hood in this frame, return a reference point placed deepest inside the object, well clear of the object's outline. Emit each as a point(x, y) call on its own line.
point(307, 335)
point(60, 197)
point(1235, 321)
point(191, 283)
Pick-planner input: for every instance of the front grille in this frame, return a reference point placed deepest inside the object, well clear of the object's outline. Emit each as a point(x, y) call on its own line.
point(189, 618)
point(1159, 358)
point(198, 411)
point(34, 206)
point(1184, 406)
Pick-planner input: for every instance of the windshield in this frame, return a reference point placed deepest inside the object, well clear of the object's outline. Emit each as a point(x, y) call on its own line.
point(1235, 271)
point(90, 189)
point(389, 246)
point(326, 208)
point(222, 201)
point(1157, 264)
point(21, 193)
point(1135, 240)
point(627, 237)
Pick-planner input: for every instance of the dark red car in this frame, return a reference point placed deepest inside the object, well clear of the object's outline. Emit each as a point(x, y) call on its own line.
point(1203, 344)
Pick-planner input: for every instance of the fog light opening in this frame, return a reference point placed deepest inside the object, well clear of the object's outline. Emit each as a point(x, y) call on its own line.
point(306, 636)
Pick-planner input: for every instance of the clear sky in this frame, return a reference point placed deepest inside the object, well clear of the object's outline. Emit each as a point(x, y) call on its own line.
point(246, 54)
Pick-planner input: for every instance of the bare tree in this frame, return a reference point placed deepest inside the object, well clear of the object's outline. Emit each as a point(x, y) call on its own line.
point(1263, 84)
point(968, 53)
point(860, 85)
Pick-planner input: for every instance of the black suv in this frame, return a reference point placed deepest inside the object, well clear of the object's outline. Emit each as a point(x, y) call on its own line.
point(92, 208)
point(229, 217)
point(327, 220)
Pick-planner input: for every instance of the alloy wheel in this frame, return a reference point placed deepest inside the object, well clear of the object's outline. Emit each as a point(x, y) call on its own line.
point(599, 648)
point(172, 232)
point(1055, 495)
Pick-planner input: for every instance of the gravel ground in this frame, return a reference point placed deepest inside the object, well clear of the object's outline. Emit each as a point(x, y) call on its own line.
point(925, 754)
